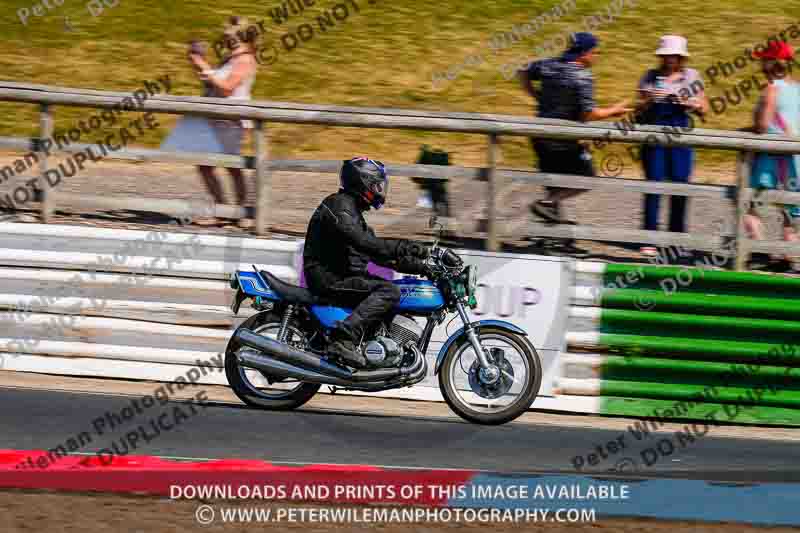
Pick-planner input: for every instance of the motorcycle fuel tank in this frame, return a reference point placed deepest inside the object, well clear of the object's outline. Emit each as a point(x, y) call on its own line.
point(417, 296)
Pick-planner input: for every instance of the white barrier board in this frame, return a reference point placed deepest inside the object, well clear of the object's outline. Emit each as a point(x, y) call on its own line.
point(529, 291)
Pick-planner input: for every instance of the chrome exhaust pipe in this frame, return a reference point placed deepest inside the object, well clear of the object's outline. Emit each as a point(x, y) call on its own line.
point(280, 369)
point(290, 355)
point(419, 369)
point(314, 363)
point(419, 362)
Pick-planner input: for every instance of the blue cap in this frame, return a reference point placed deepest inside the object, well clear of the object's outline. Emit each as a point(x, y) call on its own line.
point(582, 42)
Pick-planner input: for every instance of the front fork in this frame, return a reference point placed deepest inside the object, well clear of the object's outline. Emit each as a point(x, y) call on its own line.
point(473, 338)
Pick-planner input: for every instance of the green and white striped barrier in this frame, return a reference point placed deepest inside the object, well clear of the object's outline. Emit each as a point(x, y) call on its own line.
point(672, 342)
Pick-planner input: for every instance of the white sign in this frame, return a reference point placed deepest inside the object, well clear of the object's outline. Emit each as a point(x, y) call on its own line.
point(526, 290)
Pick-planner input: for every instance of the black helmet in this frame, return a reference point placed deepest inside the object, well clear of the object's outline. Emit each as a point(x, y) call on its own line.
point(366, 179)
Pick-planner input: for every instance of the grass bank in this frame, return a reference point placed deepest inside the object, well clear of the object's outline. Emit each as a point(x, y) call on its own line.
point(380, 54)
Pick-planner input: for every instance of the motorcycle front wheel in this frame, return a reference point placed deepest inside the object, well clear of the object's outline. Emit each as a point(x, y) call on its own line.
point(482, 399)
point(253, 386)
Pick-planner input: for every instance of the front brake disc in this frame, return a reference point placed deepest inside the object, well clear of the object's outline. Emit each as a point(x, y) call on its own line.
point(491, 390)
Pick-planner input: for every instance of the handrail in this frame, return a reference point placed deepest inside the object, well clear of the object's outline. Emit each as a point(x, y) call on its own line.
point(387, 118)
point(492, 125)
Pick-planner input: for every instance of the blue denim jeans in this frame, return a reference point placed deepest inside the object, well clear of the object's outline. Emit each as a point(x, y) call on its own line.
point(667, 163)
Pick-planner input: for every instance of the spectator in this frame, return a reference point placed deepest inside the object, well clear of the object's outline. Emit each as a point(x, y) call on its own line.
point(234, 79)
point(434, 192)
point(566, 92)
point(667, 95)
point(777, 112)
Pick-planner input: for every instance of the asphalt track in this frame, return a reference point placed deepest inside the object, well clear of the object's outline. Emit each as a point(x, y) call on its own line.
point(43, 419)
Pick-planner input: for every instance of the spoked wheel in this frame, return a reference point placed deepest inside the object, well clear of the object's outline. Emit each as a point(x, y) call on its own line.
point(497, 396)
point(252, 386)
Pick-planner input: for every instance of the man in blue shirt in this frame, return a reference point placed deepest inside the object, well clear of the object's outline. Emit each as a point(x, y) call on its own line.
point(566, 91)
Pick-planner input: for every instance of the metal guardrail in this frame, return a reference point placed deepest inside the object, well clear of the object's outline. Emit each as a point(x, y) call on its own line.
point(132, 304)
point(136, 304)
point(365, 117)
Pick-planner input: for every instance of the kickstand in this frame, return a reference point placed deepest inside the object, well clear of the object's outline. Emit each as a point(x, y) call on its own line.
point(333, 389)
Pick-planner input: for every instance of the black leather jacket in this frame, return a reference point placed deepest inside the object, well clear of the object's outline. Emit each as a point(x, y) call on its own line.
point(339, 244)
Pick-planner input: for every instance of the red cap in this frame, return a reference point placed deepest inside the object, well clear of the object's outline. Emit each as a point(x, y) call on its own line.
point(775, 50)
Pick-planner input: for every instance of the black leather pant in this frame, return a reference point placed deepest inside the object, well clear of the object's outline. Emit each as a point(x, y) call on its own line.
point(372, 298)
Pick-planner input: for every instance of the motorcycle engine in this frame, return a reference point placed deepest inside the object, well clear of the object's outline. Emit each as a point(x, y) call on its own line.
point(404, 330)
point(386, 349)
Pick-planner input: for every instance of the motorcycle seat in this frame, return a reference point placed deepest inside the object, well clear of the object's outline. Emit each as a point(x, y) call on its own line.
point(291, 293)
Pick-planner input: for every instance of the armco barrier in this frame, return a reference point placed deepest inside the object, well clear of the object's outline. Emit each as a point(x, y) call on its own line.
point(673, 342)
point(77, 300)
point(659, 342)
point(95, 307)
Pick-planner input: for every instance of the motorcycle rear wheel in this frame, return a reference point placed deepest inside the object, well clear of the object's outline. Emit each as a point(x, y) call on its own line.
point(264, 323)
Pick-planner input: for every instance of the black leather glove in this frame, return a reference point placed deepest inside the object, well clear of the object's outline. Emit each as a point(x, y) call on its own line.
point(412, 265)
point(413, 249)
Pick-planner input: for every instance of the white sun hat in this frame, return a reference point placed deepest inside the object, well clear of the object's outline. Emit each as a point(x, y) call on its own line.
point(673, 45)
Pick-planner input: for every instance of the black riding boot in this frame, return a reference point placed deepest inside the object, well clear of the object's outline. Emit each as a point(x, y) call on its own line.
point(343, 344)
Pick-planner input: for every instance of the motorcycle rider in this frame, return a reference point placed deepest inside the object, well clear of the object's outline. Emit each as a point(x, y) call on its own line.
point(339, 245)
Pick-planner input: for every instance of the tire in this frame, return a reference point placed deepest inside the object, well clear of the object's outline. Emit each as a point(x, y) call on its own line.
point(507, 414)
point(292, 399)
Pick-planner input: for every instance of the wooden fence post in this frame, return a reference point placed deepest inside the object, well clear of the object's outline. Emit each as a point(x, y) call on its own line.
point(262, 179)
point(492, 243)
point(743, 197)
point(48, 196)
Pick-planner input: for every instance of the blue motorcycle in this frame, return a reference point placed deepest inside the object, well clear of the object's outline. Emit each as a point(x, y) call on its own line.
point(489, 372)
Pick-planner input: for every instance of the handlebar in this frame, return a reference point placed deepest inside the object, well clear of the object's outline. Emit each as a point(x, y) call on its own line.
point(445, 259)
point(442, 258)
point(450, 259)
